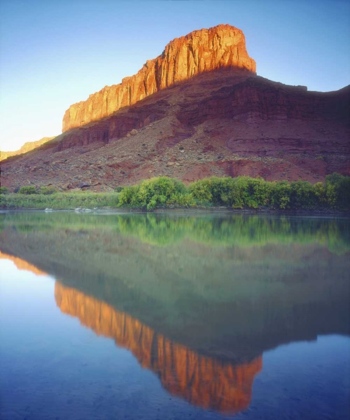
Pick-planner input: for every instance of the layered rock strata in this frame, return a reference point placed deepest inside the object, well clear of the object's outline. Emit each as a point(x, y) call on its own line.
point(222, 46)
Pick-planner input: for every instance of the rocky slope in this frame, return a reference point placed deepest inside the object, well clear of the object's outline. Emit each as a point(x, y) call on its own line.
point(222, 121)
point(27, 147)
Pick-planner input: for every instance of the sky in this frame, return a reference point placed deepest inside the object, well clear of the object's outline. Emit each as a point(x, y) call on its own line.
point(56, 53)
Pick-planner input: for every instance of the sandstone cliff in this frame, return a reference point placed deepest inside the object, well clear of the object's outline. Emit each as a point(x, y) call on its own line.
point(223, 122)
point(222, 46)
point(27, 147)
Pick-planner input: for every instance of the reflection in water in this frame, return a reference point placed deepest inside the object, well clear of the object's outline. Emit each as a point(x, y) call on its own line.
point(212, 230)
point(22, 264)
point(201, 380)
point(197, 300)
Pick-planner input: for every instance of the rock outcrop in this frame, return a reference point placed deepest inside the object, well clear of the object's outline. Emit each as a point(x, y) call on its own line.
point(202, 381)
point(222, 46)
point(27, 147)
point(221, 120)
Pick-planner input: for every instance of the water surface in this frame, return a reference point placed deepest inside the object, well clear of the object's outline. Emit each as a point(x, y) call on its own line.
point(149, 316)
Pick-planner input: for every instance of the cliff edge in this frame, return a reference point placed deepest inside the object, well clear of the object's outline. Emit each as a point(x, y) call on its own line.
point(222, 46)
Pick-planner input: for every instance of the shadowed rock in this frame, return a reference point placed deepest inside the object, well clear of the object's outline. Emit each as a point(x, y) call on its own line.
point(222, 46)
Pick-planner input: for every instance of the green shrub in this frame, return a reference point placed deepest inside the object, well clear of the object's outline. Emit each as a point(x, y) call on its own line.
point(47, 190)
point(155, 192)
point(338, 191)
point(60, 200)
point(118, 189)
point(249, 192)
point(28, 190)
point(302, 195)
point(245, 192)
point(4, 190)
point(201, 190)
point(233, 192)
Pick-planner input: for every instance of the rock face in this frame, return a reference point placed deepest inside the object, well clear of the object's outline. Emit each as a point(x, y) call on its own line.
point(202, 381)
point(183, 58)
point(27, 147)
point(221, 120)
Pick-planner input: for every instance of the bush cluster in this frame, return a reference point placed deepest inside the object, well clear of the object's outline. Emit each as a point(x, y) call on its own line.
point(28, 190)
point(156, 192)
point(31, 189)
point(241, 192)
point(245, 192)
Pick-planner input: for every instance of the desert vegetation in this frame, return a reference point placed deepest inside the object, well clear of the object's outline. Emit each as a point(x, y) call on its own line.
point(58, 200)
point(157, 192)
point(163, 192)
point(239, 193)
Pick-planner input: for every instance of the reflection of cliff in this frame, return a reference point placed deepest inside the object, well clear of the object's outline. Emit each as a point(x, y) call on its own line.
point(22, 265)
point(201, 380)
point(239, 300)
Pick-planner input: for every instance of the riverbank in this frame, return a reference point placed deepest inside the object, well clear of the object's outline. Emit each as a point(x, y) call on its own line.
point(59, 201)
point(182, 211)
point(241, 193)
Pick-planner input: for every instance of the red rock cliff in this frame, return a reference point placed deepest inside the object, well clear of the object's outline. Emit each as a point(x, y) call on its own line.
point(198, 52)
point(201, 380)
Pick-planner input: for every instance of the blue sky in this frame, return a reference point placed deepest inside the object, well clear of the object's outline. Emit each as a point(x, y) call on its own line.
point(55, 53)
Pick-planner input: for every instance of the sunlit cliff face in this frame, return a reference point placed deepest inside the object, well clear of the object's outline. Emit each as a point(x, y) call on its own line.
point(201, 380)
point(204, 50)
point(22, 265)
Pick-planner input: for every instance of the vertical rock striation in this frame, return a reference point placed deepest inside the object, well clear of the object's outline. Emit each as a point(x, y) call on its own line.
point(222, 46)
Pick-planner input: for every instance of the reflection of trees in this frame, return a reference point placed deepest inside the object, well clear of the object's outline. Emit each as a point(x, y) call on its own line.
point(227, 230)
point(201, 380)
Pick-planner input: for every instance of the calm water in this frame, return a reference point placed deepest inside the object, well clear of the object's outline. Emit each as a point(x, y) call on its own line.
point(174, 317)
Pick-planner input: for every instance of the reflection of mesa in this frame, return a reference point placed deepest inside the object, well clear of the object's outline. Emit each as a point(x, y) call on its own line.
point(201, 380)
point(22, 265)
